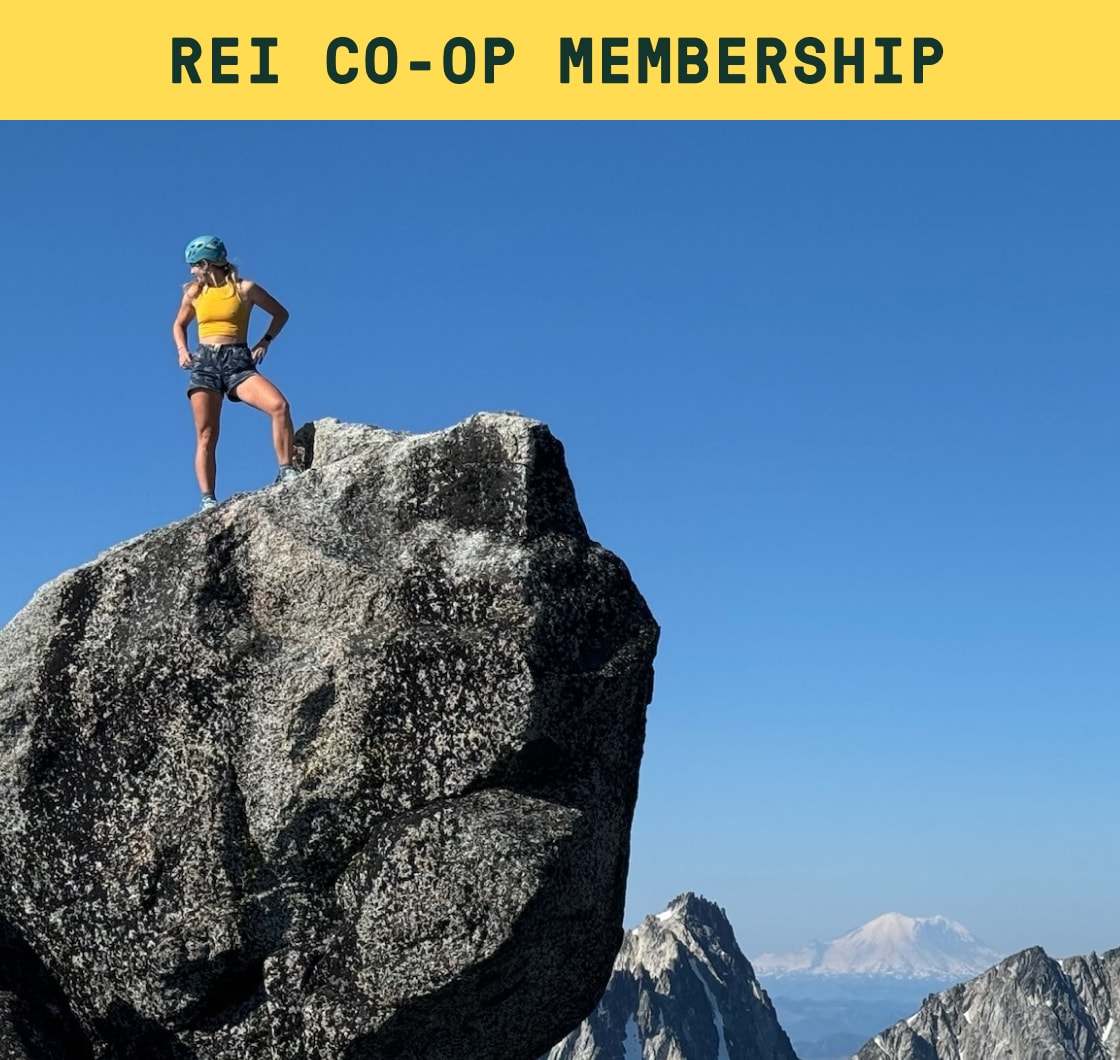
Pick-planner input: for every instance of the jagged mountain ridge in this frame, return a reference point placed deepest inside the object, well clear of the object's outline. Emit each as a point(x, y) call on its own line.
point(681, 989)
point(1028, 1007)
point(890, 945)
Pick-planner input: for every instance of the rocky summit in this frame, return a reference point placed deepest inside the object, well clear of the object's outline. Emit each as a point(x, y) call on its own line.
point(681, 990)
point(1028, 1007)
point(340, 770)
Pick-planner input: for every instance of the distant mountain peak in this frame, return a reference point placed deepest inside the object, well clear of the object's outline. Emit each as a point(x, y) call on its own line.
point(690, 924)
point(681, 989)
point(694, 905)
point(1028, 1005)
point(893, 944)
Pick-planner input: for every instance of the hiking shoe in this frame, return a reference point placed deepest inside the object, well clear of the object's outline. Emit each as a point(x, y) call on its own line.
point(208, 501)
point(287, 473)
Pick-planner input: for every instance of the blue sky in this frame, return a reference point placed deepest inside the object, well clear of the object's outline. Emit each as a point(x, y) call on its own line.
point(842, 395)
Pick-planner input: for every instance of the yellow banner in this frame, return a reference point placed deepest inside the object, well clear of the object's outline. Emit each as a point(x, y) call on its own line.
point(134, 59)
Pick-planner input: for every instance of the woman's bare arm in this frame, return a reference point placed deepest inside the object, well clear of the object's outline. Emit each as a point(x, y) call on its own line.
point(255, 294)
point(179, 330)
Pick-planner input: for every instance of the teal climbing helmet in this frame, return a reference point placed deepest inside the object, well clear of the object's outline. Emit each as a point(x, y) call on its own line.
point(205, 248)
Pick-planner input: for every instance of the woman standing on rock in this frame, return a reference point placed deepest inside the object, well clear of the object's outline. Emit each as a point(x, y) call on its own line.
point(224, 364)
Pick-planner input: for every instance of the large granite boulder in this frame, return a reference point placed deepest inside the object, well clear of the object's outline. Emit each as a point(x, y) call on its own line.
point(342, 769)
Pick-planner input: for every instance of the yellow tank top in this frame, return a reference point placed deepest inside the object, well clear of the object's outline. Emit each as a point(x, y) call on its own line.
point(219, 311)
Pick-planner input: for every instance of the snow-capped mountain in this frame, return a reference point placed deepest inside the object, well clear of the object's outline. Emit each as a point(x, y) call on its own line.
point(1028, 1007)
point(904, 947)
point(832, 996)
point(681, 989)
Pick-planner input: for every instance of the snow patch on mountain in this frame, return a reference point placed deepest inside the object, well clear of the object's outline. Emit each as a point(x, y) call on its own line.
point(717, 1015)
point(632, 1044)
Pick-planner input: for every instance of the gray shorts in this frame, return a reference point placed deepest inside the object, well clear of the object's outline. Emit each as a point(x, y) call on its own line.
point(221, 368)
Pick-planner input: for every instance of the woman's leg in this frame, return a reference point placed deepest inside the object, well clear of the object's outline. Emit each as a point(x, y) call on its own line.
point(207, 408)
point(261, 394)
